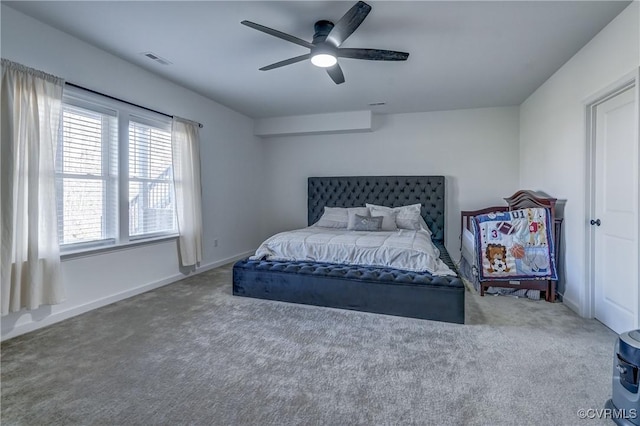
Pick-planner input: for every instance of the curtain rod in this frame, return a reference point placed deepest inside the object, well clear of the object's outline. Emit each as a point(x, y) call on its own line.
point(122, 100)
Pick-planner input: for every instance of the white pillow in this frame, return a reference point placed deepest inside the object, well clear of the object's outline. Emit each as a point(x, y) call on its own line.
point(407, 217)
point(388, 219)
point(338, 217)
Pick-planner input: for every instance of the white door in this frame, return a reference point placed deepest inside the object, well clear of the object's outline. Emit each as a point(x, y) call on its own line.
point(616, 209)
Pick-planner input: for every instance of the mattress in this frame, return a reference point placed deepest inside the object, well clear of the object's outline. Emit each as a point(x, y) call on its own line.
point(358, 272)
point(409, 250)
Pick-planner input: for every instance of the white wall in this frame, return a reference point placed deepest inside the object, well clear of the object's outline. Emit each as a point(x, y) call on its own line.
point(476, 149)
point(552, 134)
point(231, 170)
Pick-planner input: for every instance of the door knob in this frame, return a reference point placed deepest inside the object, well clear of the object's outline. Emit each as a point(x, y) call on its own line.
point(595, 222)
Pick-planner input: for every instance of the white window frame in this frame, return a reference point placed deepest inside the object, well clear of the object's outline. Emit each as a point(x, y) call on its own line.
point(124, 113)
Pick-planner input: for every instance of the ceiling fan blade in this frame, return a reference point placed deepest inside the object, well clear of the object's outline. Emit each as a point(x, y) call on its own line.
point(335, 72)
point(278, 34)
point(348, 23)
point(373, 54)
point(286, 62)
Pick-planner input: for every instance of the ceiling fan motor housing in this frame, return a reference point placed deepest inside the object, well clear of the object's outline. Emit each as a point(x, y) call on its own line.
point(322, 30)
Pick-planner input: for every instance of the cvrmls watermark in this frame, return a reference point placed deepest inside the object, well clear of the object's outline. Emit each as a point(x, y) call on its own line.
point(607, 413)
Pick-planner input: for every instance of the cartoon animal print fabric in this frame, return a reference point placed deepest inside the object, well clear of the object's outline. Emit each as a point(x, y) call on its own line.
point(515, 245)
point(497, 257)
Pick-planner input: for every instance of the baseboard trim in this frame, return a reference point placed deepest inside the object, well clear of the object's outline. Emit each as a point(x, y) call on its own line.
point(222, 262)
point(571, 305)
point(56, 317)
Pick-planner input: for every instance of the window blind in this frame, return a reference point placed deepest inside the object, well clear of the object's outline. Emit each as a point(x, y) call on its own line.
point(86, 176)
point(151, 196)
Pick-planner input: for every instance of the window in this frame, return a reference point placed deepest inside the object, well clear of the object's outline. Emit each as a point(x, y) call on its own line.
point(151, 206)
point(114, 178)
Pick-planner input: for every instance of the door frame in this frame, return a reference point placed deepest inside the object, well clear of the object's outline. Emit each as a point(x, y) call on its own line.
point(631, 79)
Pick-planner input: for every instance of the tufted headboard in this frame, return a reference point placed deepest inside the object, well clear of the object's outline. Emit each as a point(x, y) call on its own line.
point(390, 191)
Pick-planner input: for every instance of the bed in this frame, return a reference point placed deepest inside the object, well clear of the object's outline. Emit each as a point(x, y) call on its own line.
point(520, 200)
point(381, 290)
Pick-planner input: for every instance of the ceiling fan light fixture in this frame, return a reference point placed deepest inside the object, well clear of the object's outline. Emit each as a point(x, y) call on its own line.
point(325, 49)
point(324, 60)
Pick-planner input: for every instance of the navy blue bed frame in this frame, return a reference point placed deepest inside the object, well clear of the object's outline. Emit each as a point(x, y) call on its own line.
point(370, 289)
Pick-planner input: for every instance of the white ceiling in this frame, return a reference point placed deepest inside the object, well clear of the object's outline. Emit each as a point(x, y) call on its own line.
point(462, 54)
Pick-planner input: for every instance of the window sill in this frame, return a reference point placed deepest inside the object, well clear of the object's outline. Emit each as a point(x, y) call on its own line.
point(74, 254)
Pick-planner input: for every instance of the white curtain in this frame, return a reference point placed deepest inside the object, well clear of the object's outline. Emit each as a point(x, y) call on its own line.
point(30, 261)
point(185, 143)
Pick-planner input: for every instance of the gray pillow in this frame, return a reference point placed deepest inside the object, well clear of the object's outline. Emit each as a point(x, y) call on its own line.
point(366, 223)
point(352, 213)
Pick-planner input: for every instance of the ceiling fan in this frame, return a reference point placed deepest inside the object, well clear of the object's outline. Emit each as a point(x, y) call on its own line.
point(325, 48)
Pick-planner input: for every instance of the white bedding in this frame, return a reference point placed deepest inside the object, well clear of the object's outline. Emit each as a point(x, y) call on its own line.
point(409, 250)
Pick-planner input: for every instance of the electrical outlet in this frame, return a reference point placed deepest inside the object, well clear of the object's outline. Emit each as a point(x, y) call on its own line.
point(215, 242)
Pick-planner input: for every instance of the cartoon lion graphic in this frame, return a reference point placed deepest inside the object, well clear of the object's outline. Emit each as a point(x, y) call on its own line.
point(497, 256)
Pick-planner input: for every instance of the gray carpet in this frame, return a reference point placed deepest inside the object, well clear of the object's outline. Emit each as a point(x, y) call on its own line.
point(191, 353)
